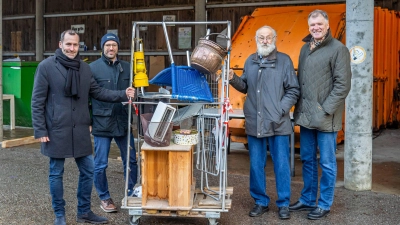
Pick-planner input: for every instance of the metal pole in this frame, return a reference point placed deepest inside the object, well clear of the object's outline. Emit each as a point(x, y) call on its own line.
point(1, 71)
point(39, 30)
point(200, 15)
point(358, 127)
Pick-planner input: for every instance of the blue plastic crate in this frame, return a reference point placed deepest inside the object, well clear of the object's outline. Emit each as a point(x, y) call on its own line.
point(187, 83)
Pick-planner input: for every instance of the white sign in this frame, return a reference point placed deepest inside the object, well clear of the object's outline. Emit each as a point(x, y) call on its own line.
point(357, 54)
point(81, 46)
point(113, 31)
point(169, 18)
point(184, 37)
point(78, 28)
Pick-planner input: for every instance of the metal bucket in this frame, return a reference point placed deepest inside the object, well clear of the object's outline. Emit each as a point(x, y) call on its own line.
point(207, 56)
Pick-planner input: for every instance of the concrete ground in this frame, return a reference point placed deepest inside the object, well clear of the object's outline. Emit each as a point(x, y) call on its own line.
point(25, 199)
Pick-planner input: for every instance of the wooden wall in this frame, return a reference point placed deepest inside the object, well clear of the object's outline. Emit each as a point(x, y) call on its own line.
point(19, 34)
point(54, 6)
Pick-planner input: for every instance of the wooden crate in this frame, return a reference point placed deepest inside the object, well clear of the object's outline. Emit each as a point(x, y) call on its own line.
point(167, 177)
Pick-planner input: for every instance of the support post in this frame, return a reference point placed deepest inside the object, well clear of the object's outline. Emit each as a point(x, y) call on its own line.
point(1, 71)
point(200, 15)
point(39, 30)
point(358, 127)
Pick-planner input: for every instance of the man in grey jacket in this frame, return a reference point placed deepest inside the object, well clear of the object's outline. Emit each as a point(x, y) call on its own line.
point(61, 121)
point(325, 77)
point(110, 120)
point(271, 85)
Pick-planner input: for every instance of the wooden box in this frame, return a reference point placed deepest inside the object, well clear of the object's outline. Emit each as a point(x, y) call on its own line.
point(167, 177)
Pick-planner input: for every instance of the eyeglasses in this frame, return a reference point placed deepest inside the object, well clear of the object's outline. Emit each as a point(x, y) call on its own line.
point(268, 38)
point(110, 45)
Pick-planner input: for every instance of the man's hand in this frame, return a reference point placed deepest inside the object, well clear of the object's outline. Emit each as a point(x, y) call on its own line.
point(231, 74)
point(44, 139)
point(130, 92)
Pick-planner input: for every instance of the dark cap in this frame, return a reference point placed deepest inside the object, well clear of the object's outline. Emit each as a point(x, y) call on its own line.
point(109, 37)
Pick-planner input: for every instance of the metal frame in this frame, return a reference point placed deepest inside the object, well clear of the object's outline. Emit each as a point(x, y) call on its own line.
point(220, 117)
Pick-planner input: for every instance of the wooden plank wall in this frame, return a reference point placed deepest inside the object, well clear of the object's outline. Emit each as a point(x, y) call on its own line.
point(53, 6)
point(96, 25)
point(18, 7)
point(19, 35)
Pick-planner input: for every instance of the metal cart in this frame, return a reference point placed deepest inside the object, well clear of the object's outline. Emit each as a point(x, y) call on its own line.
point(210, 195)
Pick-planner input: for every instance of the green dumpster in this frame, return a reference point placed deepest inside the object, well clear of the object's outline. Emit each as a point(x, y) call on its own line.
point(18, 81)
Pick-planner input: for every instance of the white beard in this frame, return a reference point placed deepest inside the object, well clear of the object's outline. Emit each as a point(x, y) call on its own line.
point(265, 50)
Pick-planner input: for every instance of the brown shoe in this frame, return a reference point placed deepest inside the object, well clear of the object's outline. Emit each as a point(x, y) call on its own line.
point(108, 205)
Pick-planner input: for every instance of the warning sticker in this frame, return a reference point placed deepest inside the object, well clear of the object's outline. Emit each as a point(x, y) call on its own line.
point(357, 54)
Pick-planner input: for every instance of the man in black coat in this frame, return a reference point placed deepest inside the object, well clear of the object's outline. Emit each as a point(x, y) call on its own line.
point(61, 121)
point(110, 120)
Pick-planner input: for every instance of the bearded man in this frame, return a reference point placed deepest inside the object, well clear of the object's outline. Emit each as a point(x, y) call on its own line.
point(272, 88)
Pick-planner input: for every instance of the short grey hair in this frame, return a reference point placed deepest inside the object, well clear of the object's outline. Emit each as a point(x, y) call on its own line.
point(70, 32)
point(272, 29)
point(318, 12)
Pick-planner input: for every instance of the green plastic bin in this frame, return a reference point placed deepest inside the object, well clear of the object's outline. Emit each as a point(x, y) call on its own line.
point(18, 80)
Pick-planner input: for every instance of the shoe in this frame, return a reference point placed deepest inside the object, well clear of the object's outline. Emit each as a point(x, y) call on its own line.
point(91, 218)
point(298, 206)
point(317, 214)
point(108, 205)
point(284, 213)
point(258, 210)
point(60, 221)
point(131, 193)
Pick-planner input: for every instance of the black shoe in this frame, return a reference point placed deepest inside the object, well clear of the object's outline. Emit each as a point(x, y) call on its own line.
point(284, 213)
point(91, 218)
point(60, 220)
point(258, 210)
point(317, 214)
point(298, 206)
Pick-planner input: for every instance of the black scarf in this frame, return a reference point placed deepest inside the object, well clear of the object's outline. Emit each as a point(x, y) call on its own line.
point(71, 88)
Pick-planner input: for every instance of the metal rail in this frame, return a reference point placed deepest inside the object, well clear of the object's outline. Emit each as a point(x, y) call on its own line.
point(213, 148)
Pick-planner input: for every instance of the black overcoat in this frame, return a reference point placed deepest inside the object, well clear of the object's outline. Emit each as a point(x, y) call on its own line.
point(65, 120)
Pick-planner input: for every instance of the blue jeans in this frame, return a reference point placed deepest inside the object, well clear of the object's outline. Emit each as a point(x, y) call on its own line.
point(310, 139)
point(279, 150)
point(85, 184)
point(101, 151)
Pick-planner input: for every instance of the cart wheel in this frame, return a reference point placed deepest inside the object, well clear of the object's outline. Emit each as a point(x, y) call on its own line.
point(134, 220)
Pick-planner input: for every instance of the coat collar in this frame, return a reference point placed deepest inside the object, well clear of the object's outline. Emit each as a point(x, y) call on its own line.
point(60, 68)
point(109, 61)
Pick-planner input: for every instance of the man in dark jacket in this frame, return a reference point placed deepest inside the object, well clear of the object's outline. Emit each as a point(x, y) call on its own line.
point(110, 120)
point(271, 85)
point(61, 121)
point(325, 77)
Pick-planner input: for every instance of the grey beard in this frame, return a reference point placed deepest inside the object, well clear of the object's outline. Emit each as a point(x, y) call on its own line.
point(265, 51)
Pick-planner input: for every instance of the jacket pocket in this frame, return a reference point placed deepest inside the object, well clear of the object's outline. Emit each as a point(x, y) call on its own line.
point(102, 112)
point(102, 119)
point(320, 120)
point(56, 111)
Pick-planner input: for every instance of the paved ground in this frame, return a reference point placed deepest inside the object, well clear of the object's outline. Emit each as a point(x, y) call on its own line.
point(25, 199)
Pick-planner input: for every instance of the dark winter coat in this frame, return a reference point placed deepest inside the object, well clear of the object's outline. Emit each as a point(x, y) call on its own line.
point(65, 120)
point(272, 89)
point(325, 79)
point(110, 119)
